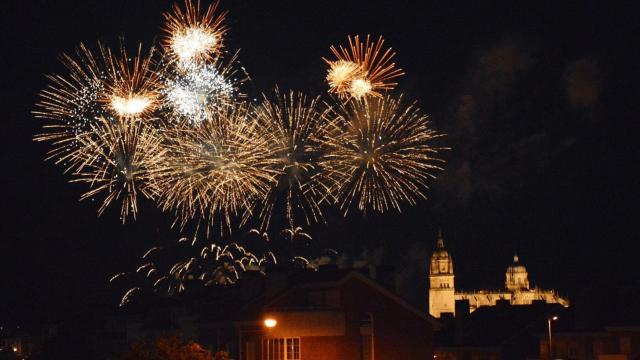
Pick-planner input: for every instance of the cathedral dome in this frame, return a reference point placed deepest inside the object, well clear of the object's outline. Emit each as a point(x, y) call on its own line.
point(517, 277)
point(516, 267)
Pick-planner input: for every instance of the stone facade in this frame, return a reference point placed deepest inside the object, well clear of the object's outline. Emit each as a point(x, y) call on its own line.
point(443, 295)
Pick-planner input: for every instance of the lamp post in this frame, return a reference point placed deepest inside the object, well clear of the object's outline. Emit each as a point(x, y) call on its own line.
point(549, 320)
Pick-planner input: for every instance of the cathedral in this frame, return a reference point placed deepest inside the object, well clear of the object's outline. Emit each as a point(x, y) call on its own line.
point(443, 295)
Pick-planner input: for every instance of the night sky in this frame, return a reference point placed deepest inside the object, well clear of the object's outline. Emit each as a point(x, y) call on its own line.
point(539, 104)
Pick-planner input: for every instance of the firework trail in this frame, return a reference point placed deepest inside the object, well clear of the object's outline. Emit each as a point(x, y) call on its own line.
point(151, 251)
point(361, 69)
point(116, 276)
point(211, 264)
point(296, 232)
point(127, 296)
point(379, 154)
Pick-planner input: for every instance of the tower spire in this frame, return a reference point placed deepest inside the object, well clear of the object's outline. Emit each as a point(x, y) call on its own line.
point(440, 243)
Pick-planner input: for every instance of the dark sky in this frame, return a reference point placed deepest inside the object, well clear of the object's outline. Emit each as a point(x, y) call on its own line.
point(539, 104)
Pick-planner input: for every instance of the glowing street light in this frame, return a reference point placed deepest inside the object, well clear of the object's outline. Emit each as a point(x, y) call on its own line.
point(549, 320)
point(270, 323)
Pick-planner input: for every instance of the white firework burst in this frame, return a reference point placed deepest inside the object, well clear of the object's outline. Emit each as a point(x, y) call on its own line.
point(192, 90)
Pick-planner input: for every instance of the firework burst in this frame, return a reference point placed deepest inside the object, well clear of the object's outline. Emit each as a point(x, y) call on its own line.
point(118, 158)
point(341, 74)
point(193, 35)
point(194, 90)
point(134, 89)
point(379, 154)
point(362, 69)
point(217, 169)
point(74, 100)
point(295, 122)
point(97, 85)
point(173, 127)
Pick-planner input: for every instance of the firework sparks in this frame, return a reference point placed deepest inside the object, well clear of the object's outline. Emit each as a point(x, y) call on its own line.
point(127, 296)
point(131, 106)
point(116, 276)
point(296, 232)
point(118, 158)
point(177, 130)
point(98, 86)
point(195, 90)
point(341, 74)
point(218, 168)
point(192, 35)
point(295, 123)
point(360, 88)
point(379, 154)
point(134, 87)
point(362, 69)
point(151, 251)
point(74, 100)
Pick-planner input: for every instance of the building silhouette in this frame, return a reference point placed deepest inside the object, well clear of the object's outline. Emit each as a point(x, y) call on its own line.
point(517, 291)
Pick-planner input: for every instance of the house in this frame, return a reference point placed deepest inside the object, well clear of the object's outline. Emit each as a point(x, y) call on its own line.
point(328, 314)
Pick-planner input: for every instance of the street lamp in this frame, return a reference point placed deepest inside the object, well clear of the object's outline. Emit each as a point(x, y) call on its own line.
point(270, 322)
point(549, 320)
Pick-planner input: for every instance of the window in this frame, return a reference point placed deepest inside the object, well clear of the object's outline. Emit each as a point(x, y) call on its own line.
point(281, 349)
point(251, 350)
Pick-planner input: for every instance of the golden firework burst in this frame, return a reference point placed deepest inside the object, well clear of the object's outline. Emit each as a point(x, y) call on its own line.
point(120, 159)
point(134, 87)
point(296, 122)
point(73, 101)
point(216, 169)
point(193, 35)
point(98, 84)
point(378, 154)
point(362, 69)
point(341, 74)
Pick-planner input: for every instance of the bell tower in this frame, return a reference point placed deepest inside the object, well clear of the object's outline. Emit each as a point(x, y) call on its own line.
point(441, 284)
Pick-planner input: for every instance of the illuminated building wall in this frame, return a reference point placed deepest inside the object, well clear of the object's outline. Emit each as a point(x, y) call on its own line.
point(442, 293)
